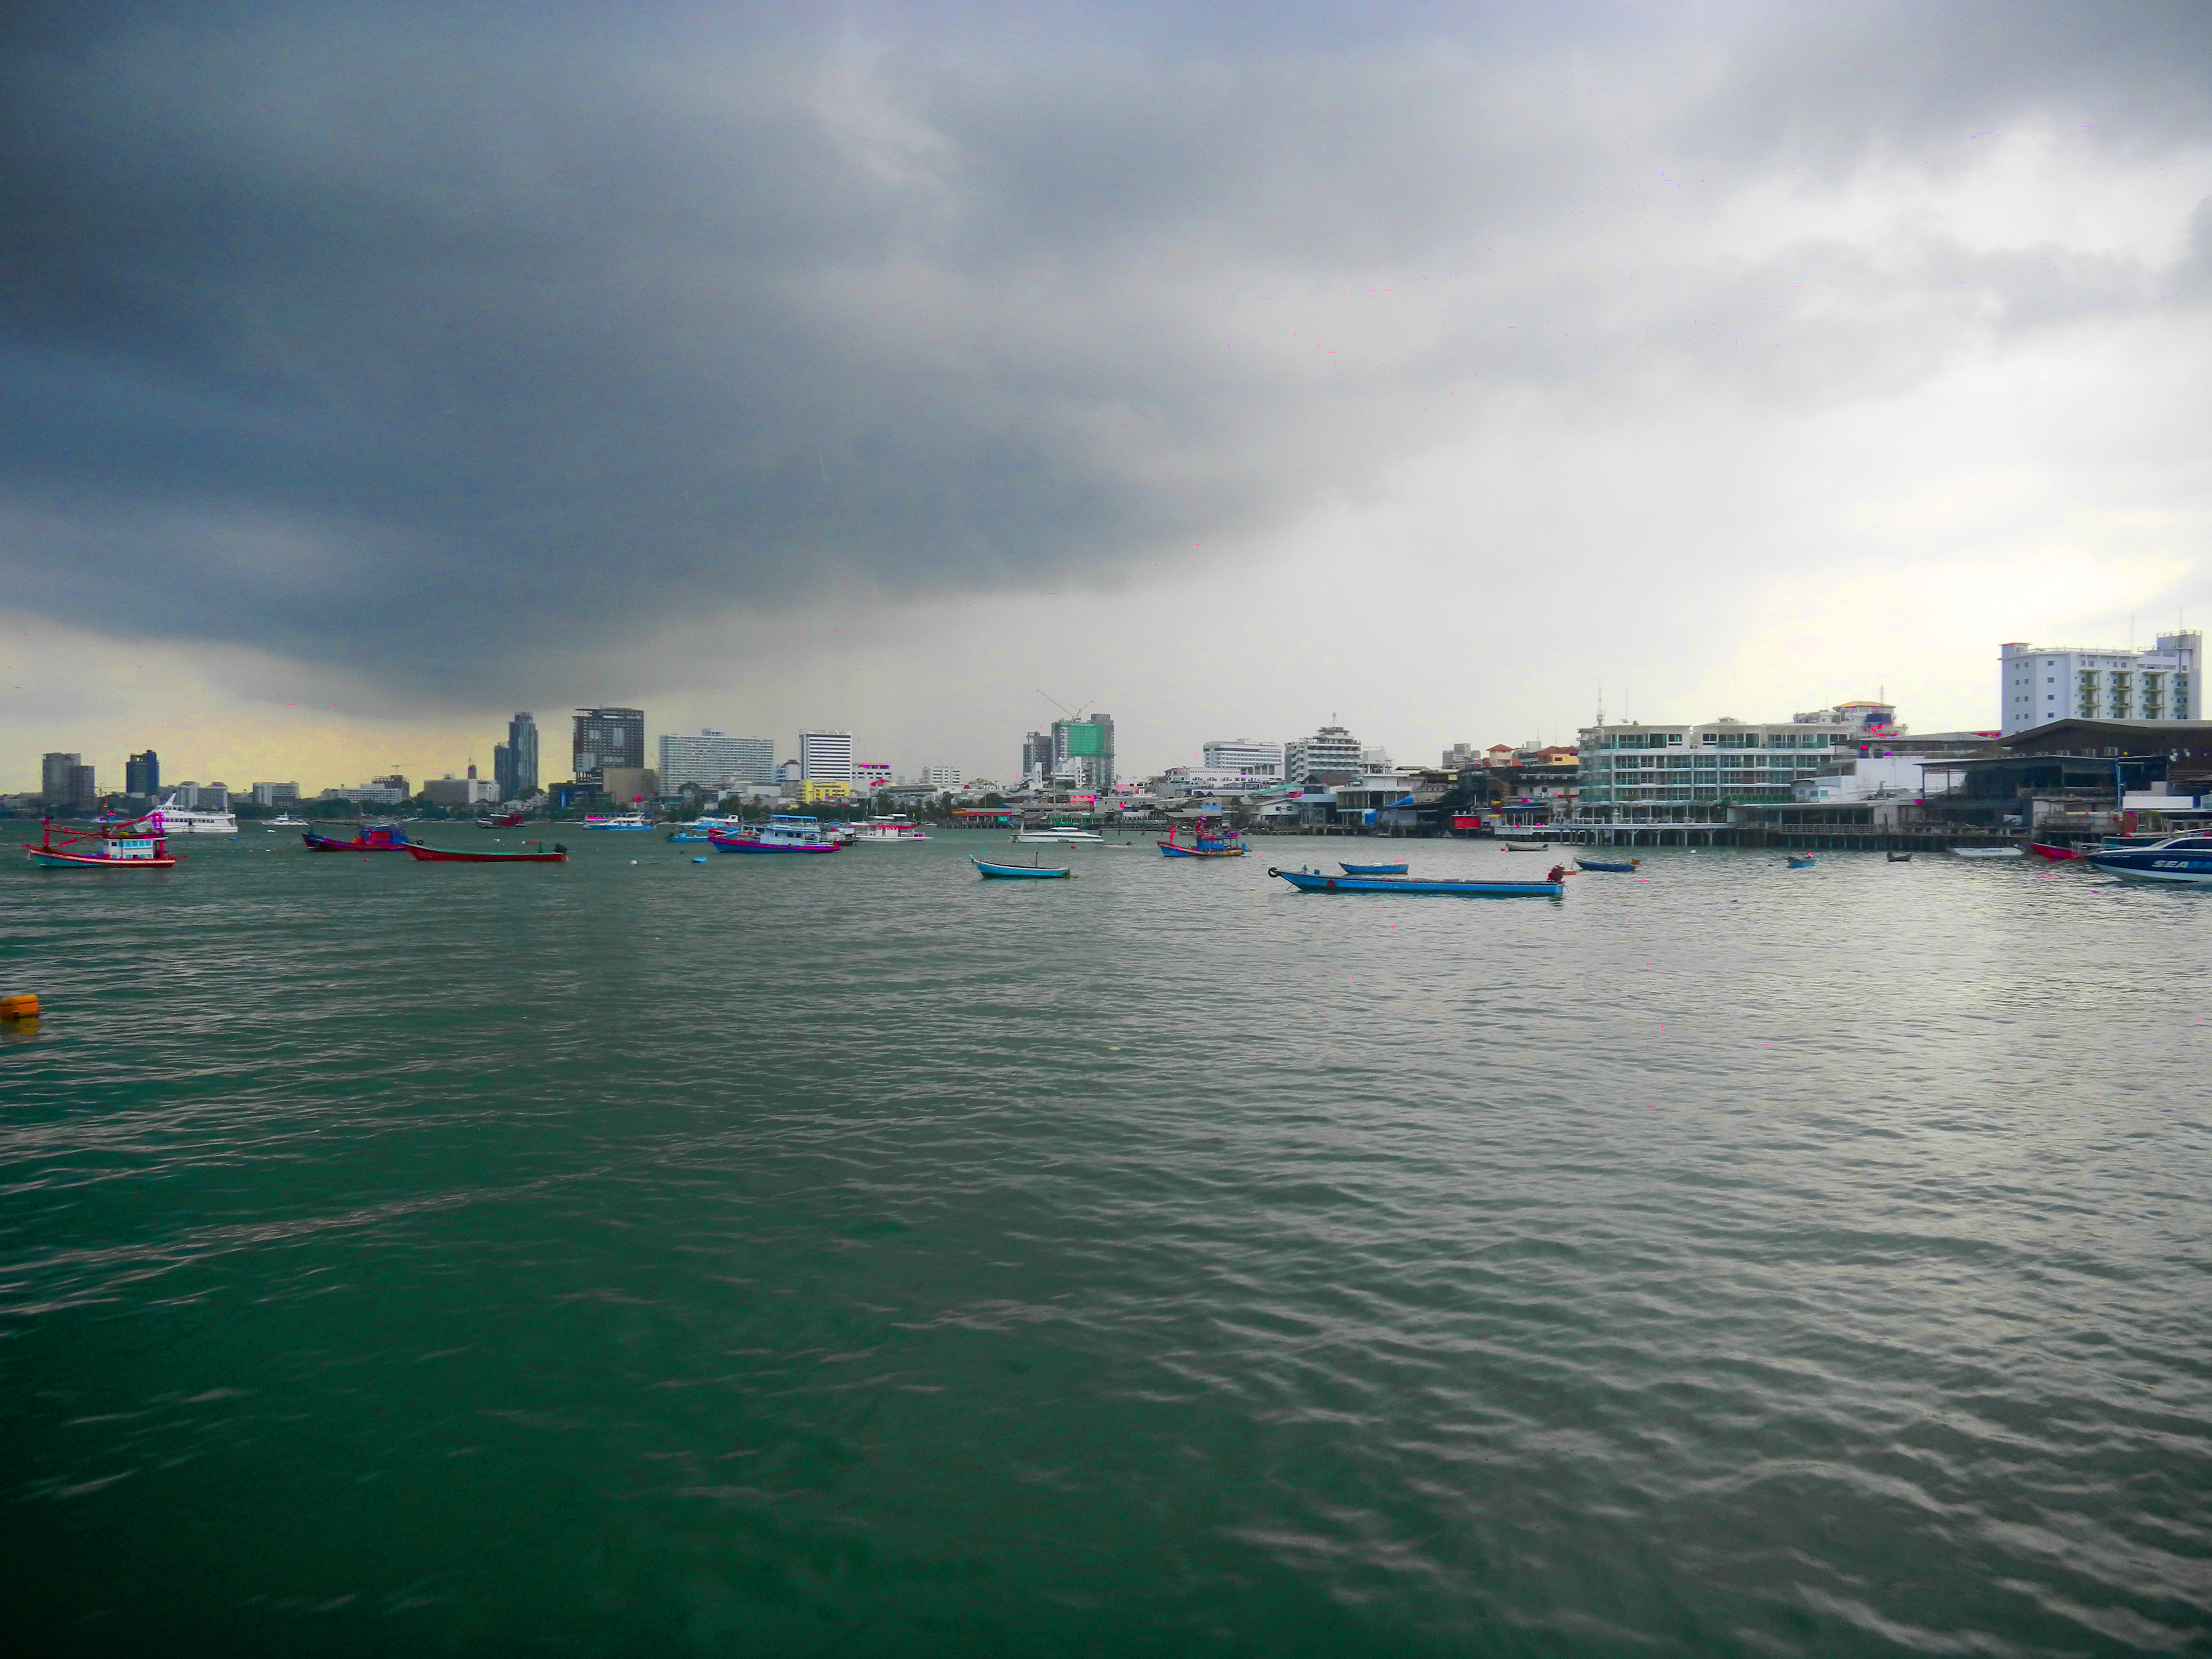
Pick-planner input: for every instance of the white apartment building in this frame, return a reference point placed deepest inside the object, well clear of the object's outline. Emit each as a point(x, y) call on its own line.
point(940, 777)
point(1332, 751)
point(711, 759)
point(1247, 755)
point(825, 757)
point(871, 776)
point(2045, 682)
point(1637, 773)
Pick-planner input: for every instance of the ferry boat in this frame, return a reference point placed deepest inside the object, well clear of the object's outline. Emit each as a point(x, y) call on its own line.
point(1068, 834)
point(1210, 838)
point(170, 819)
point(896, 827)
point(784, 833)
point(2186, 860)
point(618, 821)
point(119, 846)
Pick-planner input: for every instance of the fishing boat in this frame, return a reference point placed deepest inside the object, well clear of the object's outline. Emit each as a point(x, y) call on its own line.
point(1801, 860)
point(1320, 881)
point(1069, 834)
point(2044, 851)
point(1019, 871)
point(121, 846)
point(1523, 847)
point(1210, 838)
point(1987, 853)
point(1375, 869)
point(618, 821)
point(786, 832)
point(2182, 860)
point(171, 819)
point(441, 855)
point(897, 828)
point(1627, 869)
point(500, 821)
point(377, 838)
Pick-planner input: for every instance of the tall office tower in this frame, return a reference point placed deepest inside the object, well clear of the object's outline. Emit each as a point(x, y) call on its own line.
point(1248, 755)
point(713, 759)
point(1036, 757)
point(825, 757)
point(520, 779)
point(57, 777)
point(502, 770)
point(608, 737)
point(141, 774)
point(2042, 682)
point(1332, 755)
point(1083, 753)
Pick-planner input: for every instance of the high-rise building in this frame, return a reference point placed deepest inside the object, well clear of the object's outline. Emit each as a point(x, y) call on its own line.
point(1332, 755)
point(57, 778)
point(940, 777)
point(2043, 683)
point(871, 776)
point(714, 759)
point(825, 757)
point(141, 774)
point(1247, 755)
point(1036, 756)
point(275, 794)
point(1083, 753)
point(608, 737)
point(514, 763)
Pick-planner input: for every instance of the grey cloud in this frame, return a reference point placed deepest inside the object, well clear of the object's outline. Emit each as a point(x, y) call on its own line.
point(425, 337)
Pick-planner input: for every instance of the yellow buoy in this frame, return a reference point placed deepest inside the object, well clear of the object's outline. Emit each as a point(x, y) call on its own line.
point(25, 1006)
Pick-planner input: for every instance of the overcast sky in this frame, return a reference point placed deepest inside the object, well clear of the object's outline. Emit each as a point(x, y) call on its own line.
point(371, 372)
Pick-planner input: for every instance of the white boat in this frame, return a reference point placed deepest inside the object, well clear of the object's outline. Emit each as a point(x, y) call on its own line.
point(1063, 833)
point(896, 827)
point(1989, 853)
point(283, 821)
point(169, 819)
point(618, 821)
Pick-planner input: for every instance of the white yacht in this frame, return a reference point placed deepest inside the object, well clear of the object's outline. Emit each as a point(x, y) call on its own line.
point(284, 821)
point(618, 821)
point(1065, 833)
point(170, 819)
point(896, 827)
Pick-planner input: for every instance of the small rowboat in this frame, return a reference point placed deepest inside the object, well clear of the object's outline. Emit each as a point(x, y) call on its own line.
point(1019, 871)
point(1627, 869)
point(1317, 881)
point(1375, 869)
point(2061, 852)
point(1987, 852)
point(440, 855)
point(1900, 857)
point(1523, 847)
point(1801, 860)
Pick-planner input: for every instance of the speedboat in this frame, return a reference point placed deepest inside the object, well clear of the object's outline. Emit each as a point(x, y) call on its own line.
point(170, 819)
point(1987, 853)
point(618, 821)
point(284, 821)
point(1069, 833)
point(2184, 858)
point(784, 833)
point(896, 827)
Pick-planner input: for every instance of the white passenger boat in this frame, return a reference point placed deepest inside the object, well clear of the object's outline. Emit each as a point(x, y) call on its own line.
point(170, 819)
point(786, 832)
point(618, 821)
point(1989, 852)
point(896, 827)
point(284, 821)
point(1067, 833)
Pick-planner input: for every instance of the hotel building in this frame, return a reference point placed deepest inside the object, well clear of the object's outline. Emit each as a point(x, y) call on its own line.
point(1638, 773)
point(2045, 682)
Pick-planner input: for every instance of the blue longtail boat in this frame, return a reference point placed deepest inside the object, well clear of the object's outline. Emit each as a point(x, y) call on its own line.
point(1320, 881)
point(1628, 868)
point(1020, 871)
point(1375, 869)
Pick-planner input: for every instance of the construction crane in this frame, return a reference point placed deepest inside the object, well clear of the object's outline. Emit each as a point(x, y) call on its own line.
point(1075, 714)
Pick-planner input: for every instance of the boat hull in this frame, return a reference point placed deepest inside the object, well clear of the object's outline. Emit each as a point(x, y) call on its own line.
point(2063, 853)
point(1169, 849)
point(1375, 869)
point(377, 841)
point(2176, 869)
point(440, 855)
point(1986, 853)
point(1016, 871)
point(1311, 881)
point(1610, 869)
point(721, 846)
point(48, 858)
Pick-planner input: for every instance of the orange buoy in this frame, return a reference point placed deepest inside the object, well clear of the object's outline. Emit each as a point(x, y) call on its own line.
point(25, 1006)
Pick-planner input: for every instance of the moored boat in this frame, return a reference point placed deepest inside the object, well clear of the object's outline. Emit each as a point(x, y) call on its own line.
point(170, 819)
point(559, 854)
point(897, 828)
point(1375, 869)
point(786, 832)
point(1320, 881)
point(120, 846)
point(380, 838)
point(1801, 860)
point(2184, 860)
point(618, 821)
point(2065, 854)
point(500, 821)
point(1628, 868)
point(1071, 834)
point(1523, 847)
point(1986, 853)
point(284, 821)
point(1210, 838)
point(1019, 871)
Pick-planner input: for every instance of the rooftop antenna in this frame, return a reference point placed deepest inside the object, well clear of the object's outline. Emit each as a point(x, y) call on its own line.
point(1600, 702)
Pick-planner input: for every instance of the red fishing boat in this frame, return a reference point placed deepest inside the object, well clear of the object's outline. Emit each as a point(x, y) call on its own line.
point(385, 838)
point(2042, 851)
point(500, 821)
point(125, 846)
point(440, 855)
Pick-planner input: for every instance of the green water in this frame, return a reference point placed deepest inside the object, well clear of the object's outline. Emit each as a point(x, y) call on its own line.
point(847, 1256)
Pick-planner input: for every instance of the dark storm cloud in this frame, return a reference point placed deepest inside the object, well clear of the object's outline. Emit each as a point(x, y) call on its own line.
point(426, 337)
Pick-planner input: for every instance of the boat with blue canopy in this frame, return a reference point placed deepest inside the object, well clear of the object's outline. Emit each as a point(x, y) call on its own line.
point(1320, 881)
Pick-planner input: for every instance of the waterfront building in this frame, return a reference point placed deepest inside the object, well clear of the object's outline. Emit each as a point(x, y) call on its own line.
point(1875, 721)
point(141, 774)
point(2039, 684)
point(67, 783)
point(812, 790)
point(1637, 773)
point(365, 795)
point(629, 783)
point(275, 794)
point(608, 737)
point(826, 756)
point(1248, 757)
point(1332, 755)
point(514, 763)
point(714, 759)
point(1083, 754)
